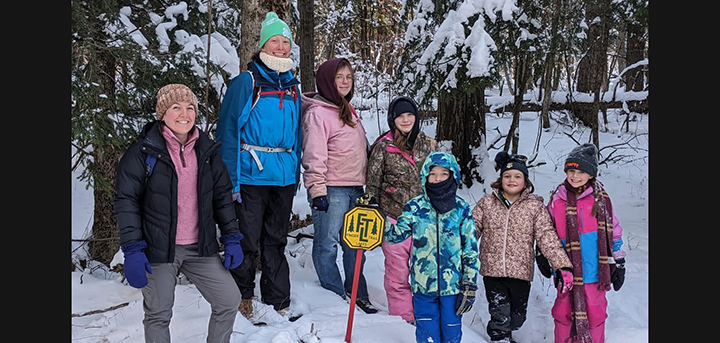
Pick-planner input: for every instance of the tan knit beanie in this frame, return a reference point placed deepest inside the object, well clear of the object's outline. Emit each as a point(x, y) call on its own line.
point(171, 94)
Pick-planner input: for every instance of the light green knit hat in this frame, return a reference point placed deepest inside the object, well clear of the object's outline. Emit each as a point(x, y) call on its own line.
point(271, 26)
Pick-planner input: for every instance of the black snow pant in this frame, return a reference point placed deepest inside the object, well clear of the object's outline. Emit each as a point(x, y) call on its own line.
point(264, 218)
point(507, 301)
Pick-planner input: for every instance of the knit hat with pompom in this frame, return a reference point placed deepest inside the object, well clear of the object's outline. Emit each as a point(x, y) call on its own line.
point(584, 158)
point(505, 162)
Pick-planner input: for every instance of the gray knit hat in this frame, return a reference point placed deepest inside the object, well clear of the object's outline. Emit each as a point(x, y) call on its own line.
point(173, 93)
point(584, 158)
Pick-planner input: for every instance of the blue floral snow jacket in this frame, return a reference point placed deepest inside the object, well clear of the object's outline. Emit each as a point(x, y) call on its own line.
point(445, 246)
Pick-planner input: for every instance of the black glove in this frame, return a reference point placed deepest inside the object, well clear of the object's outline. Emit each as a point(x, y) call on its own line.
point(320, 203)
point(373, 201)
point(466, 298)
point(618, 276)
point(542, 263)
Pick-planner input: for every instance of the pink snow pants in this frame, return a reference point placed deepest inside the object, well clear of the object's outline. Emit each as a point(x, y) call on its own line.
point(596, 311)
point(397, 283)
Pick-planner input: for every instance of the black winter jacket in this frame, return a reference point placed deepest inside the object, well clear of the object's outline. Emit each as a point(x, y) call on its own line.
point(148, 210)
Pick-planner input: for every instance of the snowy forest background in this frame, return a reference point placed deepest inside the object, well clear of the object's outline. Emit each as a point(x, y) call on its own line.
point(489, 75)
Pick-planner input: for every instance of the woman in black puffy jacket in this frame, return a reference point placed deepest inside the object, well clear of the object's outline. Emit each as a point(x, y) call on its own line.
point(172, 193)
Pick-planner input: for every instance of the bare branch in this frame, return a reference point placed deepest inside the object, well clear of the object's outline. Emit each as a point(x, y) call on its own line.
point(111, 308)
point(571, 137)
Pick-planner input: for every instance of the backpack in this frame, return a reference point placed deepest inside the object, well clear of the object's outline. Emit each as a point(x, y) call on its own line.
point(149, 166)
point(257, 92)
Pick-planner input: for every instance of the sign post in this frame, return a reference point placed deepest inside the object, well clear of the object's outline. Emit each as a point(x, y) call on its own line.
point(363, 228)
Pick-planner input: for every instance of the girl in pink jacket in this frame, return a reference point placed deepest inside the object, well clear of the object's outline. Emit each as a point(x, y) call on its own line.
point(591, 234)
point(334, 158)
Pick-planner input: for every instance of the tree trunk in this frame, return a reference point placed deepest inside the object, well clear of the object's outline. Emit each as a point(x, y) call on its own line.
point(105, 242)
point(105, 233)
point(550, 66)
point(635, 79)
point(306, 41)
point(521, 76)
point(461, 119)
point(593, 66)
point(253, 13)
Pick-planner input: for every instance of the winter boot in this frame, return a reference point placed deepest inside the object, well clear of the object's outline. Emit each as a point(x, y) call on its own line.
point(246, 308)
point(284, 311)
point(366, 306)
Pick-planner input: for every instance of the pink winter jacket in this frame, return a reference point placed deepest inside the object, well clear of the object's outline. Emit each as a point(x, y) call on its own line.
point(334, 154)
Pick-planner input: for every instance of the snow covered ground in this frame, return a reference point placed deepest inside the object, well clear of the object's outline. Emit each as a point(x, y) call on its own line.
point(325, 314)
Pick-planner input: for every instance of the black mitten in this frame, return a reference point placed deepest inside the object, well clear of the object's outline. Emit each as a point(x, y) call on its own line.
point(618, 276)
point(466, 298)
point(543, 263)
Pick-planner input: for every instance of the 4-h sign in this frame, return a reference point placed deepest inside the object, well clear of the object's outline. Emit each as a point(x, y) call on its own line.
point(363, 228)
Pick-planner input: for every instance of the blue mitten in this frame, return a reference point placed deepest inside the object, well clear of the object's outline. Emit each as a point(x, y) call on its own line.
point(136, 264)
point(233, 251)
point(320, 203)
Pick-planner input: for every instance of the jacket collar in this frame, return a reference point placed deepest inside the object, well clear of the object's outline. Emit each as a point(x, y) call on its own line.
point(270, 78)
point(152, 137)
point(562, 192)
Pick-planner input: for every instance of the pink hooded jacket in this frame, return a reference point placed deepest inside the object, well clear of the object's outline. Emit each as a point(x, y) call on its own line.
point(334, 154)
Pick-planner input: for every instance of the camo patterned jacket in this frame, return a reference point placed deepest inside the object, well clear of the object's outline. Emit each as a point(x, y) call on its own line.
point(445, 246)
point(393, 177)
point(507, 236)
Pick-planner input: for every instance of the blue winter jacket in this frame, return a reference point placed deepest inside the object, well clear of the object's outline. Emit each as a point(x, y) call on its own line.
point(445, 245)
point(273, 122)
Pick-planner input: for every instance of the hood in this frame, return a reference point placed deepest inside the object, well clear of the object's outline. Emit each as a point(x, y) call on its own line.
point(309, 100)
point(325, 81)
point(442, 159)
point(391, 119)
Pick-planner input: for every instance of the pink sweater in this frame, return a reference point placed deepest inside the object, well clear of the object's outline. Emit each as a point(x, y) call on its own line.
point(333, 154)
point(186, 168)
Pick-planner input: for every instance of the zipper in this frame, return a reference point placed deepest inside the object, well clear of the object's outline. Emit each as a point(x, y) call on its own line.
point(182, 157)
point(437, 245)
point(507, 222)
point(580, 217)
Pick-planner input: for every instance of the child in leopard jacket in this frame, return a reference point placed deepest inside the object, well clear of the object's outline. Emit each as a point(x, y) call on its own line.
point(509, 221)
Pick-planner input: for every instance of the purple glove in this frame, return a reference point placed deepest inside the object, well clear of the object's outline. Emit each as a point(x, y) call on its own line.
point(136, 264)
point(233, 251)
point(564, 278)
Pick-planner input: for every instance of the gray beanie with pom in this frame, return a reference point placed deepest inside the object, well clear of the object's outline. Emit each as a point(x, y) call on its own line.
point(584, 158)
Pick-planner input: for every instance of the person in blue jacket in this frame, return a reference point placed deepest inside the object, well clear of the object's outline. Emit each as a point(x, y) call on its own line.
point(260, 133)
point(444, 260)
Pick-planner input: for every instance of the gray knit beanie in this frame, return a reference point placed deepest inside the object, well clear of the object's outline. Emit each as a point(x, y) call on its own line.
point(584, 158)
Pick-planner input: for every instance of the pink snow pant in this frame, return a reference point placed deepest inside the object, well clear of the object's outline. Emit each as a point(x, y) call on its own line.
point(596, 312)
point(397, 284)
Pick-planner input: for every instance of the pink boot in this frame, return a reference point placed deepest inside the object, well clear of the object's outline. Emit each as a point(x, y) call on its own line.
point(397, 273)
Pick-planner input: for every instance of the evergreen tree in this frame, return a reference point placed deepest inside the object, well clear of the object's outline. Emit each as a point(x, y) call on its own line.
point(447, 58)
point(122, 53)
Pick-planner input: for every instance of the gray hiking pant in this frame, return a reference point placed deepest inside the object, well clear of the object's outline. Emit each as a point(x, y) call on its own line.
point(212, 280)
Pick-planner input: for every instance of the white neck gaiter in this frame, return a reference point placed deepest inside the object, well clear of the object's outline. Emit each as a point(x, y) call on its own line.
point(276, 63)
